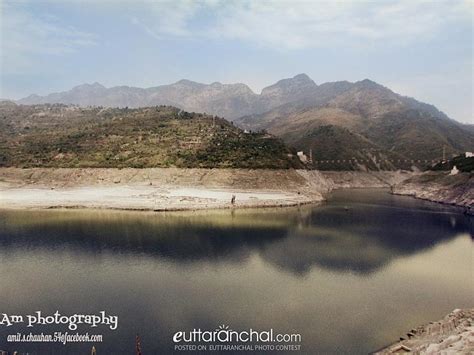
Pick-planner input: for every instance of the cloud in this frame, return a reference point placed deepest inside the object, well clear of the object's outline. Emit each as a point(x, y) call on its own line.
point(303, 24)
point(24, 36)
point(174, 17)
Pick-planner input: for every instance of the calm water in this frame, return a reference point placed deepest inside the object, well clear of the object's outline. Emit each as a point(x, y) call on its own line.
point(350, 276)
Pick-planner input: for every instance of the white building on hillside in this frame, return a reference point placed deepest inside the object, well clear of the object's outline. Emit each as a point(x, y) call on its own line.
point(302, 156)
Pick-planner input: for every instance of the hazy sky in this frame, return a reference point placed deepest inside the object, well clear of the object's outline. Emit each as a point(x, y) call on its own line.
point(416, 48)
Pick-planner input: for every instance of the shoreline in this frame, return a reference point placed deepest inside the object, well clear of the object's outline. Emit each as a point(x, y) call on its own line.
point(158, 189)
point(440, 187)
point(172, 189)
point(467, 209)
point(161, 210)
point(451, 334)
point(136, 198)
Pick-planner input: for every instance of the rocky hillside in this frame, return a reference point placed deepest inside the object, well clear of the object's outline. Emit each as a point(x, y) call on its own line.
point(367, 122)
point(450, 335)
point(163, 136)
point(348, 126)
point(440, 187)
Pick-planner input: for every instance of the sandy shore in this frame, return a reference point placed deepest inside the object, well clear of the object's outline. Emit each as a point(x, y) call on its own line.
point(146, 198)
point(161, 189)
point(158, 189)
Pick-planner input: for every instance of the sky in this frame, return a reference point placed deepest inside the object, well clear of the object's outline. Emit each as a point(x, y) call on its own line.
point(421, 49)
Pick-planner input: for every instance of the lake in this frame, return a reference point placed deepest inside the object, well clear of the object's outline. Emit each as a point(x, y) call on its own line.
point(350, 275)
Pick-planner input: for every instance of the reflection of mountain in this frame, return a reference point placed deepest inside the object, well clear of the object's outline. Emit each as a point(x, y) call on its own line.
point(361, 238)
point(177, 240)
point(365, 238)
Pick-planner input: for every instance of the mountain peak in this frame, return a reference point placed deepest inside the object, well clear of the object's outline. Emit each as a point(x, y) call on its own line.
point(300, 79)
point(367, 83)
point(97, 84)
point(186, 82)
point(303, 77)
point(87, 86)
point(298, 83)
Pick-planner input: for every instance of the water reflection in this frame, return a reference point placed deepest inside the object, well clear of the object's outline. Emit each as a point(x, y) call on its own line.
point(343, 235)
point(332, 272)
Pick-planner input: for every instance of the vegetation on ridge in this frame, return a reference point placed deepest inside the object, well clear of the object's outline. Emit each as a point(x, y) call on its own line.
point(163, 136)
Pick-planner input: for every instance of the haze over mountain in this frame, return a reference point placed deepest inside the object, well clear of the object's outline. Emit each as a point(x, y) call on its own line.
point(226, 100)
point(336, 120)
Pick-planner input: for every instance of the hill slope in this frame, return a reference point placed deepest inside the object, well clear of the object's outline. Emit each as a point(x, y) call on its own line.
point(67, 136)
point(393, 126)
point(386, 125)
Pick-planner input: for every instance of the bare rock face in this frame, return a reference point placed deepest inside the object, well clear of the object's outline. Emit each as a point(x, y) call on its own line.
point(454, 334)
point(368, 99)
point(286, 90)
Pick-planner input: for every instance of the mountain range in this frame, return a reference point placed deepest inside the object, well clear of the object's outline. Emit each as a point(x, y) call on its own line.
point(225, 100)
point(361, 121)
point(366, 121)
